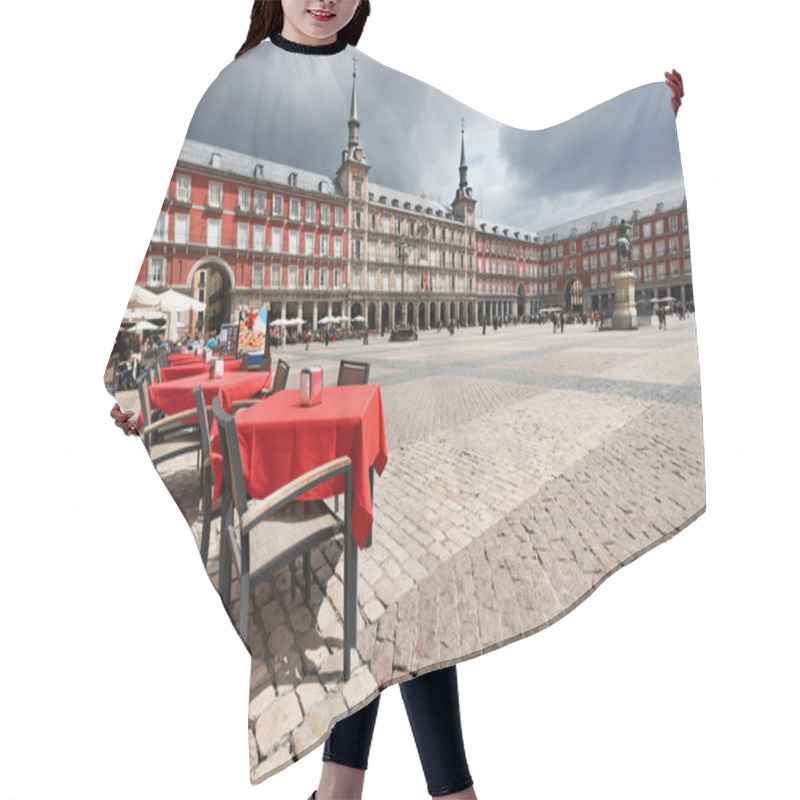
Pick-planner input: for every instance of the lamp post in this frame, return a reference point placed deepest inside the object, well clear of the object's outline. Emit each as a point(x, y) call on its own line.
point(401, 251)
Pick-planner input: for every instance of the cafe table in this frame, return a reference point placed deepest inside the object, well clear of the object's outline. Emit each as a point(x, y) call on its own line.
point(188, 369)
point(182, 359)
point(175, 396)
point(280, 440)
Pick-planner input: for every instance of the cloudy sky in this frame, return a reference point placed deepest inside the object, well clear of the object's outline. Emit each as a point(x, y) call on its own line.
point(293, 109)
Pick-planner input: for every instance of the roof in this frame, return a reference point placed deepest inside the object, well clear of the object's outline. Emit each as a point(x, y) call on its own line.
point(199, 154)
point(646, 206)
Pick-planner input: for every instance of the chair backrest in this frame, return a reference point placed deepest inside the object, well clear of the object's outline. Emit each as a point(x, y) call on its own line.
point(202, 418)
point(143, 386)
point(281, 376)
point(352, 373)
point(245, 362)
point(233, 481)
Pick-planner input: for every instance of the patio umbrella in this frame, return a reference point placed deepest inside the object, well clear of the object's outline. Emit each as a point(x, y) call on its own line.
point(359, 318)
point(277, 322)
point(177, 301)
point(143, 325)
point(326, 320)
point(298, 321)
point(141, 298)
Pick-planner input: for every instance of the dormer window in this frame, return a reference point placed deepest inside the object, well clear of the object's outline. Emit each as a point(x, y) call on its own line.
point(660, 208)
point(216, 160)
point(322, 187)
point(594, 227)
point(395, 202)
point(292, 179)
point(407, 206)
point(259, 172)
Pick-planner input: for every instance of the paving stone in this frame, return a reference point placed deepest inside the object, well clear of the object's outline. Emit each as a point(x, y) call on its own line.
point(359, 688)
point(277, 721)
point(316, 726)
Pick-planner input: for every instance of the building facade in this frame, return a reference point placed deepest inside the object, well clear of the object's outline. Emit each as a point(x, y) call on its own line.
point(237, 231)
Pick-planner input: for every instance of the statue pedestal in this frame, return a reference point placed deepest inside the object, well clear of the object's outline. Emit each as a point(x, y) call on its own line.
point(625, 317)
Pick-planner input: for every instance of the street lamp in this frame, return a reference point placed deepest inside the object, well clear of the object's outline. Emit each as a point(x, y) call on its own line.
point(401, 251)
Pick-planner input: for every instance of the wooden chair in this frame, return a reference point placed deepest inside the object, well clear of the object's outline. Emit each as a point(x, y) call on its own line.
point(245, 365)
point(352, 373)
point(169, 436)
point(265, 535)
point(210, 511)
point(278, 385)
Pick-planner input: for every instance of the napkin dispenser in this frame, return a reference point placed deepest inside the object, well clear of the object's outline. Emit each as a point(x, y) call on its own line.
point(217, 368)
point(311, 386)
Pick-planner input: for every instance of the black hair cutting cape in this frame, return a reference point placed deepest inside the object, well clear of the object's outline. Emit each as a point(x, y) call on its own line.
point(531, 420)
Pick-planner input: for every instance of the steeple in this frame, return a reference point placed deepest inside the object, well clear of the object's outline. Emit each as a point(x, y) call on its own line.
point(464, 204)
point(353, 124)
point(354, 151)
point(352, 172)
point(462, 170)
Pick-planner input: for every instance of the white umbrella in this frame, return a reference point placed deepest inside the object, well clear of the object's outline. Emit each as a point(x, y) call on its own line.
point(298, 321)
point(177, 301)
point(359, 318)
point(135, 314)
point(282, 321)
point(144, 325)
point(327, 320)
point(141, 297)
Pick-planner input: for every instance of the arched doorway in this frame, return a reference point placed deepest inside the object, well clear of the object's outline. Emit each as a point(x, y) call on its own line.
point(211, 280)
point(372, 321)
point(521, 301)
point(421, 317)
point(573, 296)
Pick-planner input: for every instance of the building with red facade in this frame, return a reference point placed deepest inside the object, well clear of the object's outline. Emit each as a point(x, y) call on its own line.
point(238, 231)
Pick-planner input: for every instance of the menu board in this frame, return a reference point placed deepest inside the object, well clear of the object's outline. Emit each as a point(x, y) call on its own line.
point(253, 334)
point(229, 339)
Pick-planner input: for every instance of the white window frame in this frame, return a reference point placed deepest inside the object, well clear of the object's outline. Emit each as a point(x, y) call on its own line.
point(294, 208)
point(181, 233)
point(323, 278)
point(292, 284)
point(242, 235)
point(156, 271)
point(275, 276)
point(294, 243)
point(260, 202)
point(337, 280)
point(257, 278)
point(213, 232)
point(243, 201)
point(183, 188)
point(310, 212)
point(277, 205)
point(276, 243)
point(215, 194)
point(161, 229)
point(259, 238)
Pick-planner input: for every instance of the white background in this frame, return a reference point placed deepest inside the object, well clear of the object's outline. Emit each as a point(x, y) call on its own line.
point(119, 674)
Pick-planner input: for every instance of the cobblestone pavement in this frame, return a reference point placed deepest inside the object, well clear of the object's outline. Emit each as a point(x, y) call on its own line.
point(525, 467)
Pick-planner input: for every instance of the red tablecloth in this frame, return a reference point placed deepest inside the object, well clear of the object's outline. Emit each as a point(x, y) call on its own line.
point(183, 359)
point(176, 396)
point(280, 440)
point(189, 369)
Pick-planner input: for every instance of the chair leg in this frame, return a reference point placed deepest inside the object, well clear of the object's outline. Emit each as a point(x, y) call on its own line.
point(244, 604)
point(206, 535)
point(350, 599)
point(307, 576)
point(350, 580)
point(292, 577)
